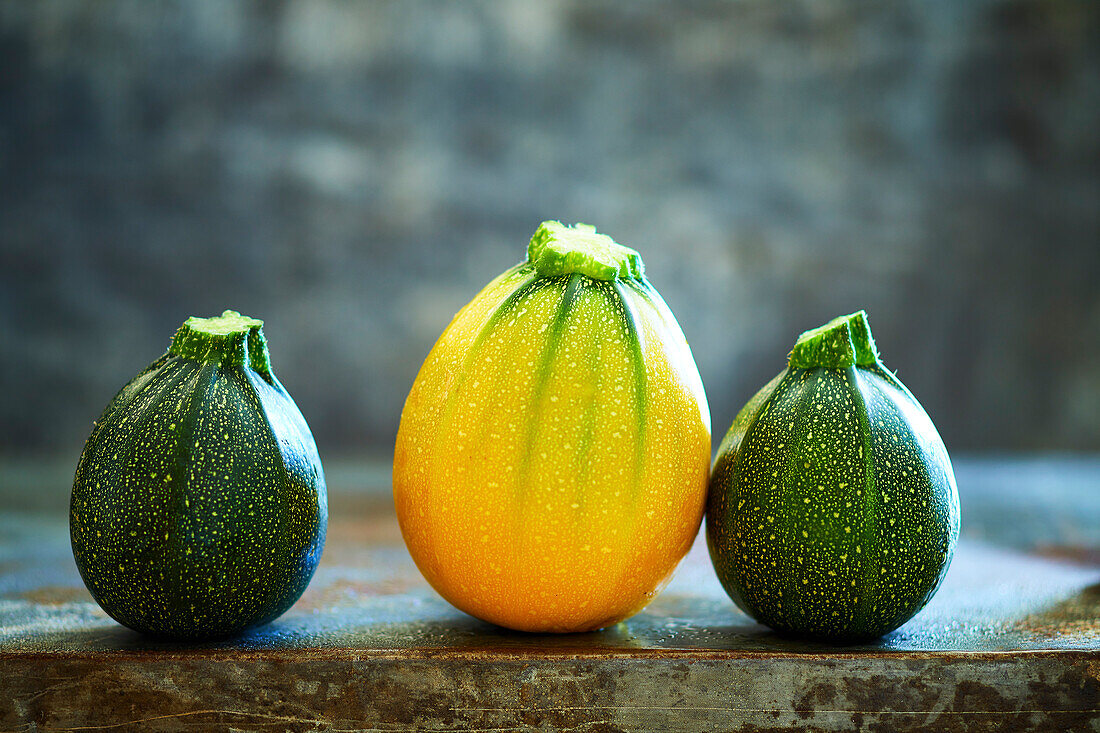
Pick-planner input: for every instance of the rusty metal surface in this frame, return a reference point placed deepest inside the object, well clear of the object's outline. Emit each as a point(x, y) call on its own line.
point(606, 695)
point(1011, 642)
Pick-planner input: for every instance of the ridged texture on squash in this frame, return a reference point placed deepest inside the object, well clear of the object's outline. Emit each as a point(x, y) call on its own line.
point(552, 458)
point(833, 511)
point(199, 505)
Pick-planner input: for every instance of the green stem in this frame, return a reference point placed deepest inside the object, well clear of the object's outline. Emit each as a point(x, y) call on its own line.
point(230, 340)
point(842, 342)
point(557, 249)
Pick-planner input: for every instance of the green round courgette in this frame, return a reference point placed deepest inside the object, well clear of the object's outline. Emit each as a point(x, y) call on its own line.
point(832, 510)
point(199, 507)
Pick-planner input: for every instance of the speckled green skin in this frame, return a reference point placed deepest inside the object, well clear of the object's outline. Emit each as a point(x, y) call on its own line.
point(832, 511)
point(199, 507)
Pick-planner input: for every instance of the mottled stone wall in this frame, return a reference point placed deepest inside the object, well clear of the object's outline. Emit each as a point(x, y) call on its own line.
point(354, 172)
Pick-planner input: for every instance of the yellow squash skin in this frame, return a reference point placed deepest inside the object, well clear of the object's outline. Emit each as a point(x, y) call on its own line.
point(552, 460)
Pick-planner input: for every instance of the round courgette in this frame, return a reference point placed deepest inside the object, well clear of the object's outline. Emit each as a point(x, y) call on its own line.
point(832, 509)
point(552, 458)
point(199, 507)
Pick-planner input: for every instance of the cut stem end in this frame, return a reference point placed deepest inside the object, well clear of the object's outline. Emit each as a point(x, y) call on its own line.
point(840, 343)
point(229, 339)
point(557, 249)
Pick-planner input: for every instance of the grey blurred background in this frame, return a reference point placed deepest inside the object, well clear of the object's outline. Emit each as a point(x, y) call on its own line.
point(353, 173)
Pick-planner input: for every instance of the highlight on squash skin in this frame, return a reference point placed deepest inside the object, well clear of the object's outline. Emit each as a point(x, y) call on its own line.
point(552, 459)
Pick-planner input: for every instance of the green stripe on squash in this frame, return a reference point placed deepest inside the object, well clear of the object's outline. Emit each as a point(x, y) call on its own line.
point(600, 271)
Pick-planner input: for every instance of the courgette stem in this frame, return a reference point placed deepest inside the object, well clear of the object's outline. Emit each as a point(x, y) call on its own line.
point(842, 342)
point(557, 249)
point(231, 340)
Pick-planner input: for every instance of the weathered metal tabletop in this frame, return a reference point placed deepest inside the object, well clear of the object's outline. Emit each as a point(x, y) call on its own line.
point(1011, 642)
